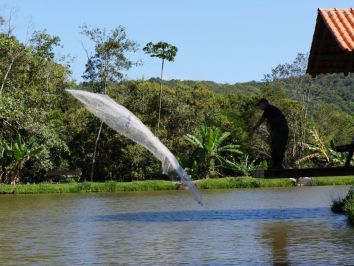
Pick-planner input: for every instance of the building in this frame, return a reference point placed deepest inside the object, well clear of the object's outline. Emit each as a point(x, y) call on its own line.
point(332, 49)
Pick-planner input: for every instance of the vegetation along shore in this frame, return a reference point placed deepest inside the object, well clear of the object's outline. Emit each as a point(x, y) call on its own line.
point(345, 205)
point(160, 185)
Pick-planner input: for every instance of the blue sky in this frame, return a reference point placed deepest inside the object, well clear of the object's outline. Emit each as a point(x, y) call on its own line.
point(219, 40)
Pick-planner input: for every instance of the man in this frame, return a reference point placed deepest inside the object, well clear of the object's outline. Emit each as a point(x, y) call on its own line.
point(279, 131)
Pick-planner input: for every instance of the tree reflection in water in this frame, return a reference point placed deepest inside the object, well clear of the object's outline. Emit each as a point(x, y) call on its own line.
point(275, 235)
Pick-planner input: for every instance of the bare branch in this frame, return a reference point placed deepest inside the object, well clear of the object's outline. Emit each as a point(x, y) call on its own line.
point(9, 22)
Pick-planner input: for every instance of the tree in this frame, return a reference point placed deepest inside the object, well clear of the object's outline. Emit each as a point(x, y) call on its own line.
point(33, 99)
point(209, 150)
point(42, 49)
point(292, 76)
point(10, 51)
point(164, 51)
point(106, 64)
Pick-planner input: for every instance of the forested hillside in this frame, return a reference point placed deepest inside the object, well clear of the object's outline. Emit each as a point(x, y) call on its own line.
point(334, 89)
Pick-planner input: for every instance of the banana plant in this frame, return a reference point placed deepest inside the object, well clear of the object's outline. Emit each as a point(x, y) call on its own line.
point(5, 158)
point(246, 165)
point(13, 157)
point(321, 153)
point(337, 158)
point(209, 151)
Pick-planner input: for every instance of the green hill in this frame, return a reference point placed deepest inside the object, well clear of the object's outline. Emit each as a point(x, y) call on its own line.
point(336, 90)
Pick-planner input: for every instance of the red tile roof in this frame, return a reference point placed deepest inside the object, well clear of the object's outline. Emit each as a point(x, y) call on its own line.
point(332, 48)
point(341, 24)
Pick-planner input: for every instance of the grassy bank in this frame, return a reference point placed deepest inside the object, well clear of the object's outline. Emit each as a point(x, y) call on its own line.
point(155, 185)
point(345, 205)
point(111, 186)
point(245, 182)
point(242, 182)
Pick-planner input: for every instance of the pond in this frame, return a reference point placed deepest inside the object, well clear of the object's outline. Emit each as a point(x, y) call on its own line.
point(249, 226)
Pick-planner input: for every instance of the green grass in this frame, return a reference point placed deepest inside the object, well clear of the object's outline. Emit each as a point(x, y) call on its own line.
point(333, 180)
point(112, 186)
point(242, 182)
point(248, 182)
point(345, 205)
point(156, 185)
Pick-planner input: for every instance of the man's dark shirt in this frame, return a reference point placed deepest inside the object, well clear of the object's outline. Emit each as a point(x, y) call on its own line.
point(275, 119)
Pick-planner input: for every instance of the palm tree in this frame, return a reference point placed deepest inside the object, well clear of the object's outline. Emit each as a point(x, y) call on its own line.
point(164, 51)
point(209, 150)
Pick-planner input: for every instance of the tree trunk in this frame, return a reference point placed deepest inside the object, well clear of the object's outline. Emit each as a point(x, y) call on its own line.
point(160, 104)
point(2, 173)
point(6, 75)
point(92, 173)
point(306, 99)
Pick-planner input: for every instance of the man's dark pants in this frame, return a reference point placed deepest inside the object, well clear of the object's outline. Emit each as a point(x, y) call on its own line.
point(279, 140)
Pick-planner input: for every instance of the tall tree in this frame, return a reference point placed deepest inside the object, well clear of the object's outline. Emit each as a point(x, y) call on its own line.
point(106, 64)
point(292, 76)
point(42, 49)
point(11, 51)
point(164, 51)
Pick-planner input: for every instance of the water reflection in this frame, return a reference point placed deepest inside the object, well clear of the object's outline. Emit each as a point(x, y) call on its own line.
point(275, 236)
point(214, 215)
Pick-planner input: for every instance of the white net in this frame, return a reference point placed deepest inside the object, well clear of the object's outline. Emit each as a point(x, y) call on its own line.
point(126, 123)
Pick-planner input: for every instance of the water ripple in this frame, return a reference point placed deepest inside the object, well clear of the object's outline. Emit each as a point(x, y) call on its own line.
point(215, 215)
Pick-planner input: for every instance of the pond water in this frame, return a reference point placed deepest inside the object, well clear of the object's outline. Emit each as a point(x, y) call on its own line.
point(249, 226)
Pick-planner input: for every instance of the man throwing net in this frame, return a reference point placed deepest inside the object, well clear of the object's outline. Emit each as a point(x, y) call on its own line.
point(278, 129)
